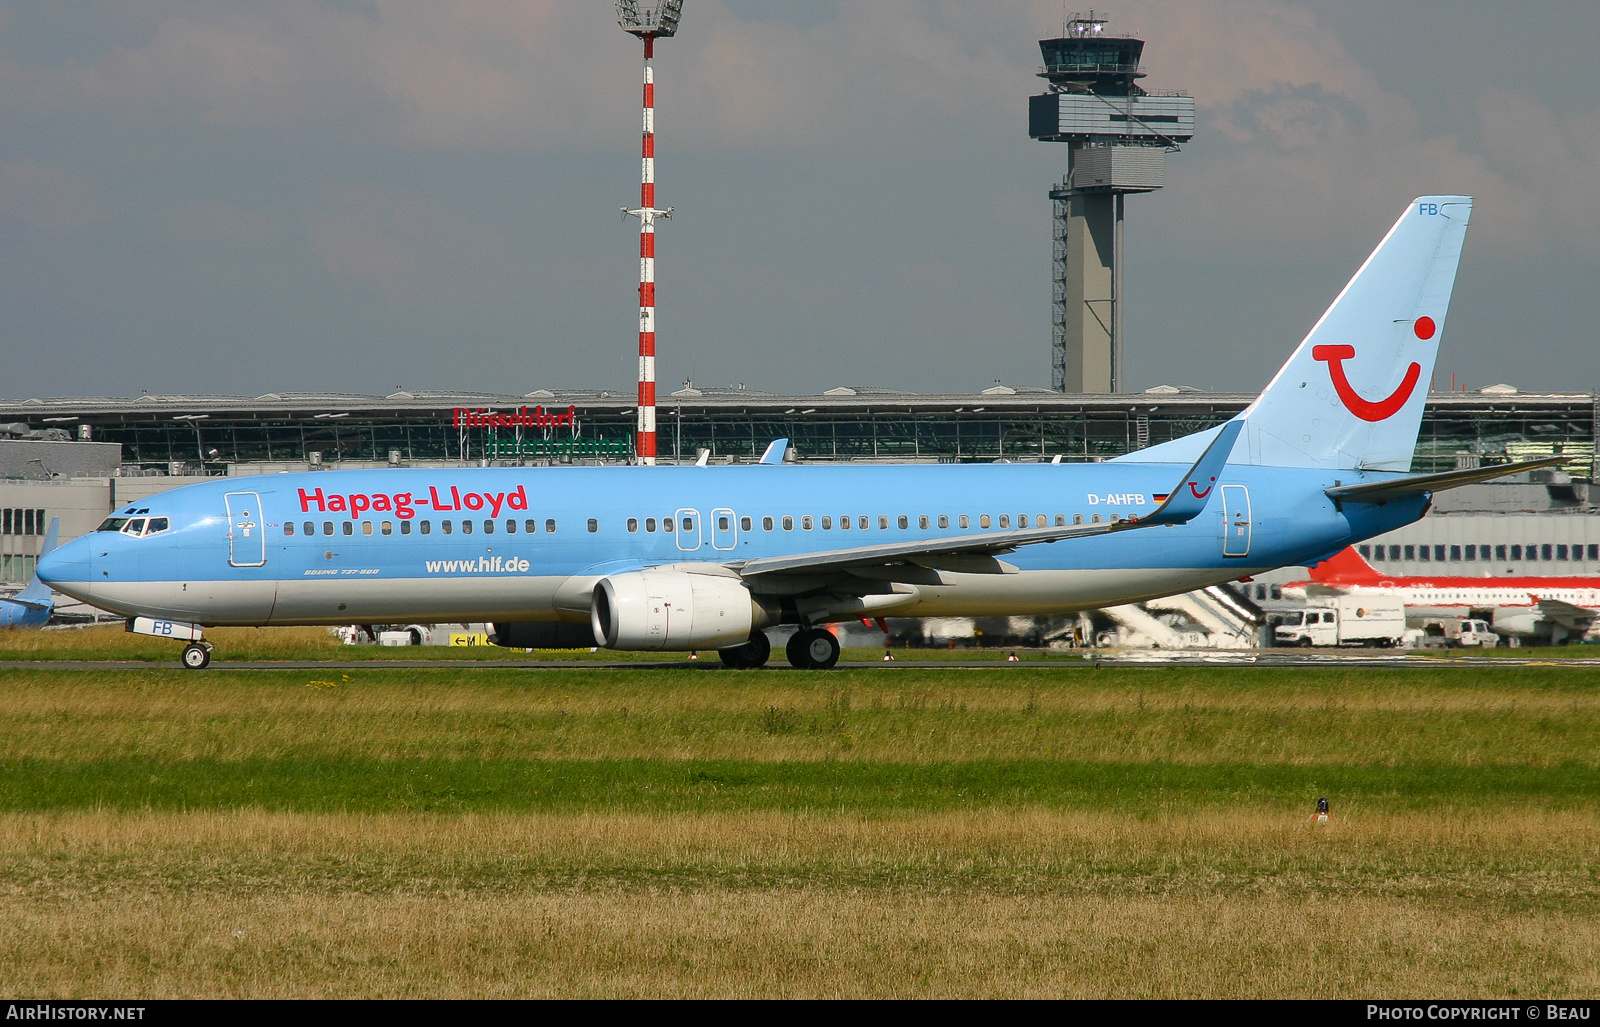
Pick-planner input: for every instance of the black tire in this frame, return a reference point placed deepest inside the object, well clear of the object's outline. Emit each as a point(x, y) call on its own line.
point(196, 656)
point(813, 649)
point(749, 656)
point(795, 650)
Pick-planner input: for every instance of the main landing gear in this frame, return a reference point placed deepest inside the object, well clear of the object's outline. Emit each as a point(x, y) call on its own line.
point(813, 649)
point(749, 656)
point(196, 656)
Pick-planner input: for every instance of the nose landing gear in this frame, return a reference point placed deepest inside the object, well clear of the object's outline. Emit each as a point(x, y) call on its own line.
point(196, 656)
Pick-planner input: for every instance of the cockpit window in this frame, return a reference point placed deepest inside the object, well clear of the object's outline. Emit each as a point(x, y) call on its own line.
point(112, 524)
point(156, 524)
point(134, 527)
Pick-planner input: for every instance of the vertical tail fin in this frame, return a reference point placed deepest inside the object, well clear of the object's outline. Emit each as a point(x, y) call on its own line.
point(1352, 394)
point(37, 591)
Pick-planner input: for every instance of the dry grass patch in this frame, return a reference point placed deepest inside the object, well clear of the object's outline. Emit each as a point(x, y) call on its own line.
point(793, 943)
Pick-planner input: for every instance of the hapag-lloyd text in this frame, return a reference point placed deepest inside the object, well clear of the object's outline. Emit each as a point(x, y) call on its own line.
point(403, 504)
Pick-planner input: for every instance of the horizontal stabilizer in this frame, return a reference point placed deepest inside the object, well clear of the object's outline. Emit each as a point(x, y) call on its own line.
point(1417, 484)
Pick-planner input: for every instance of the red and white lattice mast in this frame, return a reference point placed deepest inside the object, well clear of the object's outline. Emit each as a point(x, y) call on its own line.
point(649, 21)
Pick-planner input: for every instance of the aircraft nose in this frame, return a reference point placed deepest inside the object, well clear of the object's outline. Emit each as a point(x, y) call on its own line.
point(66, 563)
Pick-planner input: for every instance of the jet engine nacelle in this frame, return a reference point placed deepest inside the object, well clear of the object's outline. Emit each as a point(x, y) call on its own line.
point(648, 610)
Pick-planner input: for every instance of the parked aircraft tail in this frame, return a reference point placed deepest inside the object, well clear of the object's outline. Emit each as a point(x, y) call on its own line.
point(38, 593)
point(1352, 394)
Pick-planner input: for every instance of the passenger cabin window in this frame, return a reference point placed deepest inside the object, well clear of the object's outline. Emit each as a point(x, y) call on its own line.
point(288, 527)
point(964, 521)
point(530, 526)
point(327, 527)
point(1005, 520)
point(446, 527)
point(649, 524)
point(883, 523)
point(922, 521)
point(666, 524)
point(633, 524)
point(1094, 518)
point(1438, 553)
point(805, 523)
point(426, 527)
point(405, 527)
point(744, 524)
point(387, 527)
point(944, 521)
point(766, 524)
point(1544, 551)
point(309, 528)
point(788, 524)
point(687, 524)
point(594, 525)
point(511, 527)
point(1061, 520)
point(466, 527)
point(724, 523)
point(983, 520)
point(366, 527)
point(488, 527)
point(844, 523)
point(1423, 552)
point(1411, 552)
point(550, 526)
point(1561, 552)
point(349, 528)
point(827, 523)
point(903, 521)
point(1077, 518)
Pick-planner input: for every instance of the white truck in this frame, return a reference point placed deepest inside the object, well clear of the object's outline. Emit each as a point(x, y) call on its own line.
point(1466, 632)
point(1343, 620)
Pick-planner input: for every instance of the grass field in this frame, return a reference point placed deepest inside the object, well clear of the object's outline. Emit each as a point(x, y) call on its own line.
point(1060, 831)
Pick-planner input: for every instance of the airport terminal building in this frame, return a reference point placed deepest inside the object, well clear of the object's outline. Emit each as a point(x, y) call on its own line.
point(217, 435)
point(80, 457)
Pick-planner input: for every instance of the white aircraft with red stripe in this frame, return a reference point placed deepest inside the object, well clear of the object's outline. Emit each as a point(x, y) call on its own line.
point(1560, 608)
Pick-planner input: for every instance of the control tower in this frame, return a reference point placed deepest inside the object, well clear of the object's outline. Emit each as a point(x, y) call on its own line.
point(1118, 136)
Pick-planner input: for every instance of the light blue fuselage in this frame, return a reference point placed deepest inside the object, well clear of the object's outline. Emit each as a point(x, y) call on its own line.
point(226, 557)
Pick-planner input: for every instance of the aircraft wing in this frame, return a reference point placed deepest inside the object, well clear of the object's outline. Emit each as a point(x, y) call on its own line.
point(1564, 613)
point(976, 552)
point(1416, 484)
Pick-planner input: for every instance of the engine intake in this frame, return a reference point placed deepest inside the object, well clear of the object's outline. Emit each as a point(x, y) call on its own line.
point(650, 610)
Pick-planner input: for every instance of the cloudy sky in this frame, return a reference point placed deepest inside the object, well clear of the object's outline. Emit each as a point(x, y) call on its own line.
point(244, 196)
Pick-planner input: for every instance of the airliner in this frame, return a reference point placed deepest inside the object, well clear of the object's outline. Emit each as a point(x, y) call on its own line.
point(696, 558)
point(32, 607)
point(1525, 606)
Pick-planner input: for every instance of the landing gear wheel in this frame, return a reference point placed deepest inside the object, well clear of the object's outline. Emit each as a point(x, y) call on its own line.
point(196, 656)
point(813, 649)
point(749, 656)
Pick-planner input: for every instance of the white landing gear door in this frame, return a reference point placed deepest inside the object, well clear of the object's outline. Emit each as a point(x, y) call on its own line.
point(247, 539)
point(1235, 520)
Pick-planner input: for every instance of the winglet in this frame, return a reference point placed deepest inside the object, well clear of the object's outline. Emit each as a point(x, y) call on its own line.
point(1194, 490)
point(775, 451)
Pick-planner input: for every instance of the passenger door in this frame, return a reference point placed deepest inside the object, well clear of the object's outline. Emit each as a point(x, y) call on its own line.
point(1235, 520)
point(247, 538)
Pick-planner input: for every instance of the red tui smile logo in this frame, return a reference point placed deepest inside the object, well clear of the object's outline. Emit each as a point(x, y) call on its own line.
point(1367, 410)
point(1197, 493)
